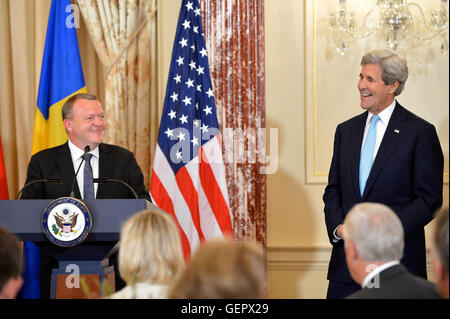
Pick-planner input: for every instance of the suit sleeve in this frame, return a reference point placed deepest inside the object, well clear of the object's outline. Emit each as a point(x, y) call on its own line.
point(428, 182)
point(136, 179)
point(332, 196)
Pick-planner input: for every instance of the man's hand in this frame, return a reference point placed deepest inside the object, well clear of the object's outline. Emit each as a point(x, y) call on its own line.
point(340, 231)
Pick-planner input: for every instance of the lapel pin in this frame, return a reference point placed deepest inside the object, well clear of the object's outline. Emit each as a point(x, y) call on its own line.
point(396, 131)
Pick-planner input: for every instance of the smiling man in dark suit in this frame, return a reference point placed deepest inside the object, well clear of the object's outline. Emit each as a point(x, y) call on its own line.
point(386, 155)
point(85, 125)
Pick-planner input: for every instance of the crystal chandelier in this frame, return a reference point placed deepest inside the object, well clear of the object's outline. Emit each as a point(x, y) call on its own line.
point(394, 20)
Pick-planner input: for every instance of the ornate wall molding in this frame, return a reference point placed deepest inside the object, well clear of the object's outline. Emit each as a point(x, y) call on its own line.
point(311, 258)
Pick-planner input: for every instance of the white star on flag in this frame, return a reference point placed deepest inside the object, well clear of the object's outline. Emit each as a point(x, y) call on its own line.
point(200, 70)
point(172, 114)
point(194, 141)
point(189, 6)
point(186, 24)
point(203, 52)
point(183, 119)
point(174, 97)
point(187, 101)
point(183, 42)
point(190, 83)
point(181, 136)
point(204, 128)
point(169, 132)
point(210, 92)
point(208, 110)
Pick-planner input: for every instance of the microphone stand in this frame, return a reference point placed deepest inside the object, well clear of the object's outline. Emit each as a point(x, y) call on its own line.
point(48, 180)
point(107, 180)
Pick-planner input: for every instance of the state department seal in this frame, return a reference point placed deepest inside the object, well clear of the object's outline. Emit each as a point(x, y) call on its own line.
point(66, 221)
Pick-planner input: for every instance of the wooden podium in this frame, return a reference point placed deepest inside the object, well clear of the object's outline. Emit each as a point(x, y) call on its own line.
point(89, 260)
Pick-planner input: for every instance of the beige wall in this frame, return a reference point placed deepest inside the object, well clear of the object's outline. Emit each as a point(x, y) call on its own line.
point(297, 254)
point(298, 248)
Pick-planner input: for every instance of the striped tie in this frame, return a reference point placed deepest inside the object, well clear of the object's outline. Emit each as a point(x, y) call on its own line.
point(366, 161)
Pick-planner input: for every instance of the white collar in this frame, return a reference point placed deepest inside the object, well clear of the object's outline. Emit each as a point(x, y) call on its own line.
point(378, 270)
point(384, 115)
point(76, 152)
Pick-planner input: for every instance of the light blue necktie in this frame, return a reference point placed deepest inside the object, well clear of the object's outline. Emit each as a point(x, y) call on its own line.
point(366, 161)
point(88, 181)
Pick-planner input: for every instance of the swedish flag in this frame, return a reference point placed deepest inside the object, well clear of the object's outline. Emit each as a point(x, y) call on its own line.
point(61, 77)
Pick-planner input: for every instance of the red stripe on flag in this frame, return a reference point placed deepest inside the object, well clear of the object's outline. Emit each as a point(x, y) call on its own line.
point(190, 196)
point(163, 201)
point(214, 195)
point(3, 183)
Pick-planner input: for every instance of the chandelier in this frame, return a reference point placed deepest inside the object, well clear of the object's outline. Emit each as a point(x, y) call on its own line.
point(394, 20)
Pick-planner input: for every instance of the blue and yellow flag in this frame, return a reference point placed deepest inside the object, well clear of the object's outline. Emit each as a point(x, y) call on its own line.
point(61, 76)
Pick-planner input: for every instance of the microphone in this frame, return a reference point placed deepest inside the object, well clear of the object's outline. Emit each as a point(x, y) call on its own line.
point(86, 150)
point(107, 180)
point(48, 180)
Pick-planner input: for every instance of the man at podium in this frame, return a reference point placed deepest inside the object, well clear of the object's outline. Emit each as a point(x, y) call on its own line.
point(83, 158)
point(85, 125)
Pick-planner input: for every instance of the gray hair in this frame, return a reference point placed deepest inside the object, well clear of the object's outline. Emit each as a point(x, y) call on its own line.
point(67, 107)
point(376, 232)
point(394, 67)
point(440, 238)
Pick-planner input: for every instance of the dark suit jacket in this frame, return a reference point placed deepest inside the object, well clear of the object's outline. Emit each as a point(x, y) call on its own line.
point(115, 162)
point(397, 283)
point(407, 176)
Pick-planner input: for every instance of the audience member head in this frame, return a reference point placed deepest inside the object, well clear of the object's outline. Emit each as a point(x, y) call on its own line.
point(84, 120)
point(373, 235)
point(150, 249)
point(222, 269)
point(440, 252)
point(11, 263)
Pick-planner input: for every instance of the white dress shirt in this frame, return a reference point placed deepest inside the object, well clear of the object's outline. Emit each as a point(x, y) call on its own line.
point(76, 154)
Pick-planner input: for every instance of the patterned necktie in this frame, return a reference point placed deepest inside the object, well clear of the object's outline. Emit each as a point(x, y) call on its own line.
point(366, 160)
point(88, 182)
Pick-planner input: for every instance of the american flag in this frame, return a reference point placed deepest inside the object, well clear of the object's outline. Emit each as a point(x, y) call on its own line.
point(188, 177)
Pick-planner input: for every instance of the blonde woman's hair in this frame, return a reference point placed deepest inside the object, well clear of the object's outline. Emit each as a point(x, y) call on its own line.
point(150, 249)
point(221, 269)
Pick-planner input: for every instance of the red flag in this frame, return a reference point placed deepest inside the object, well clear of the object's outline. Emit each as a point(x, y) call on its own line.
point(3, 184)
